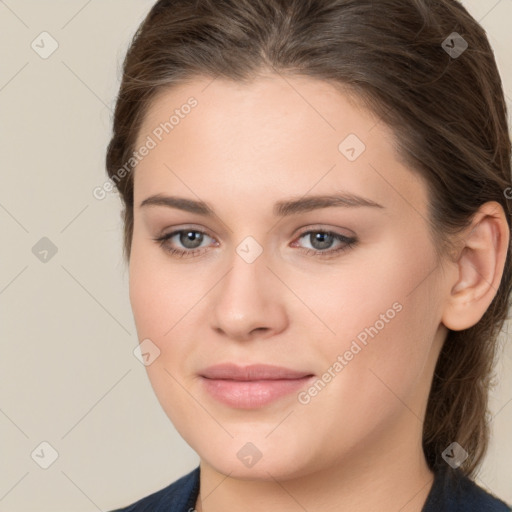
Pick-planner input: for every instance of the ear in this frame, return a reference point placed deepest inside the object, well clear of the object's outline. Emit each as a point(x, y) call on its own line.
point(480, 266)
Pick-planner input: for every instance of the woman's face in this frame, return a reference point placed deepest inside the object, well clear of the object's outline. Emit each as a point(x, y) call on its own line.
point(346, 294)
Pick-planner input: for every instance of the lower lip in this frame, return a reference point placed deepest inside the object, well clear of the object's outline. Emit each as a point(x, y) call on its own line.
point(252, 394)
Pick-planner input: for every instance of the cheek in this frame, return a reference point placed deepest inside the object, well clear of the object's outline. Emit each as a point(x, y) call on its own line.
point(161, 293)
point(166, 301)
point(160, 297)
point(384, 315)
point(363, 300)
point(370, 383)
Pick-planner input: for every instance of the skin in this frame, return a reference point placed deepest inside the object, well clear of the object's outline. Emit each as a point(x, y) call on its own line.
point(241, 150)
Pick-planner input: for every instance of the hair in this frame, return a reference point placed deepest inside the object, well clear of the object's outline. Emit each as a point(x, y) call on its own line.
point(447, 112)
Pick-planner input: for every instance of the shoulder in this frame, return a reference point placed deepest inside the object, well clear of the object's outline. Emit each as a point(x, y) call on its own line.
point(179, 496)
point(452, 491)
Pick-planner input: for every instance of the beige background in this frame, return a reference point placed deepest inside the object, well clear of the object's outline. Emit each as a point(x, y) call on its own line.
point(68, 373)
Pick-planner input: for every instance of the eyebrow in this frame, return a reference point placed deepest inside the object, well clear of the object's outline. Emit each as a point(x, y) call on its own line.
point(281, 208)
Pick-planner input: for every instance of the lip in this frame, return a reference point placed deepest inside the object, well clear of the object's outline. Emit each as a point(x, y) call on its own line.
point(253, 386)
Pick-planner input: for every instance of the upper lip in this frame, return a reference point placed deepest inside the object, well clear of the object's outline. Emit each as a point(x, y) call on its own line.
point(232, 371)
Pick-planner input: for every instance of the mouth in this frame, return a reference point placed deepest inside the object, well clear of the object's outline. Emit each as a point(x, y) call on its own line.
point(254, 386)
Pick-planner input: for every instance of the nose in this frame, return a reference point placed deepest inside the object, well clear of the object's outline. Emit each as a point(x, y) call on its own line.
point(248, 301)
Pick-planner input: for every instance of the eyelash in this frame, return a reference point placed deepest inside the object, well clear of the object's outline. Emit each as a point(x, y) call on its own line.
point(349, 243)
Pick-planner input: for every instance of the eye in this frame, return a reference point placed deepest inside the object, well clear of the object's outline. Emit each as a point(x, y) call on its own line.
point(321, 242)
point(190, 240)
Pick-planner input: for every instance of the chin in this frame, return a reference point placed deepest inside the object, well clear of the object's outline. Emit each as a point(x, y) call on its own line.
point(255, 460)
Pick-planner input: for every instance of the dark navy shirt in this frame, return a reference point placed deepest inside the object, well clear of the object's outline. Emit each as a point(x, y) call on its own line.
point(451, 492)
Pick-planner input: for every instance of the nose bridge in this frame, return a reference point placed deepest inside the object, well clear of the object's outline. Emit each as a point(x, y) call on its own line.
point(245, 280)
point(246, 299)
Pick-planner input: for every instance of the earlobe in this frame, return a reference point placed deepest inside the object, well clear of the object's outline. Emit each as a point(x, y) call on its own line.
point(480, 267)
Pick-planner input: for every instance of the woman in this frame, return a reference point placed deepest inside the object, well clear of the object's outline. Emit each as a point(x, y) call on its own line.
point(317, 228)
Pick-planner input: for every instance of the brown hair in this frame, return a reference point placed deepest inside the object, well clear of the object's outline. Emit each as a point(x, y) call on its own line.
point(447, 111)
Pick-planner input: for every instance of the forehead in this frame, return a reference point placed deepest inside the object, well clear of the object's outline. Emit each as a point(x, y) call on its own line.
point(287, 134)
point(270, 101)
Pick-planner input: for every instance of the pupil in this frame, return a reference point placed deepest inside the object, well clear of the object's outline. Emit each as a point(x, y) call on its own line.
point(191, 236)
point(324, 240)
